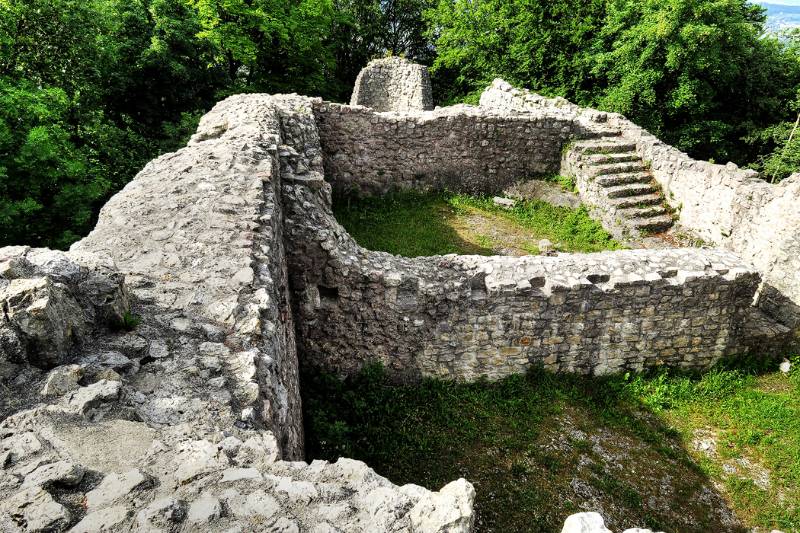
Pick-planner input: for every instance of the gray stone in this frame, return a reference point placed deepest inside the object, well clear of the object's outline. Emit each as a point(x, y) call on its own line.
point(393, 84)
point(103, 520)
point(62, 472)
point(62, 379)
point(161, 515)
point(113, 487)
point(196, 459)
point(506, 203)
point(38, 510)
point(20, 446)
point(205, 509)
point(230, 475)
point(257, 503)
point(116, 361)
point(86, 398)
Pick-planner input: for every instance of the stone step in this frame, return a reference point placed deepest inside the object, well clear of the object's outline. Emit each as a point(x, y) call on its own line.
point(599, 159)
point(623, 179)
point(646, 211)
point(652, 224)
point(605, 145)
point(615, 168)
point(636, 201)
point(633, 189)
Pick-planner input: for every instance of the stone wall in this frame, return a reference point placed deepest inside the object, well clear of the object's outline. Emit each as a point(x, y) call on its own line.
point(721, 204)
point(466, 317)
point(228, 255)
point(191, 420)
point(461, 147)
point(199, 232)
point(393, 84)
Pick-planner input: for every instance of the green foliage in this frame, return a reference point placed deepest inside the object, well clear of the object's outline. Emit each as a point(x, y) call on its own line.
point(543, 45)
point(129, 322)
point(570, 229)
point(699, 73)
point(93, 89)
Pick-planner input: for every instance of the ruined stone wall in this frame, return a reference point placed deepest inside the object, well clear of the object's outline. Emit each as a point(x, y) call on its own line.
point(199, 232)
point(460, 147)
point(721, 204)
point(393, 84)
point(465, 317)
point(190, 421)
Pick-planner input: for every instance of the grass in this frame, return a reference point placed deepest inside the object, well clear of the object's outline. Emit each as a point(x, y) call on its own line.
point(415, 224)
point(542, 446)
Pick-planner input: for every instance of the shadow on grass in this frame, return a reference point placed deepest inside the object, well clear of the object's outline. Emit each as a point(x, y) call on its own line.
point(537, 447)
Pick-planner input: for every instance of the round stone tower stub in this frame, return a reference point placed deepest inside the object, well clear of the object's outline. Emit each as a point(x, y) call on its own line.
point(393, 84)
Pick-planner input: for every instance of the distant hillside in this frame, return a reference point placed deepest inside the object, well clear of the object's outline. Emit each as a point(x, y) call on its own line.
point(782, 17)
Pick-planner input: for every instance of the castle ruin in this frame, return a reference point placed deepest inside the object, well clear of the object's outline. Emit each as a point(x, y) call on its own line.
point(229, 253)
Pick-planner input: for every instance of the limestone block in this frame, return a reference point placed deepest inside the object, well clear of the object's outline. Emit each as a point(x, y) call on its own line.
point(61, 380)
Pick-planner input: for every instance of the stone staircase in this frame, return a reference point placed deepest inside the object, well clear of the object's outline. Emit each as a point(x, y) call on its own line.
point(617, 185)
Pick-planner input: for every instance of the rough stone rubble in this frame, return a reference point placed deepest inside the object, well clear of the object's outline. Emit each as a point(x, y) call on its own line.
point(190, 419)
point(190, 422)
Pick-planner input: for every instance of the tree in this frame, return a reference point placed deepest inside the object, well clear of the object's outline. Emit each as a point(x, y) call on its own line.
point(46, 187)
point(538, 44)
point(698, 72)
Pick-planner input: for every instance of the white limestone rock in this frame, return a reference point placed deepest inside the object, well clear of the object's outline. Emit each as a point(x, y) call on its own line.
point(205, 509)
point(37, 509)
point(62, 472)
point(450, 510)
point(585, 523)
point(62, 379)
point(86, 398)
point(20, 446)
point(113, 487)
point(160, 515)
point(196, 459)
point(102, 521)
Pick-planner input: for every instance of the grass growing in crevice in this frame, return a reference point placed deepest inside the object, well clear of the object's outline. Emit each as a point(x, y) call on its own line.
point(419, 224)
point(542, 446)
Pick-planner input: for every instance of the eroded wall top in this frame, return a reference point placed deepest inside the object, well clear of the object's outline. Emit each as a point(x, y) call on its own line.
point(393, 84)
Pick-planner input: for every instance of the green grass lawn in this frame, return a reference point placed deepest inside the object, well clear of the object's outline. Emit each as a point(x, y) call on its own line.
point(415, 224)
point(669, 452)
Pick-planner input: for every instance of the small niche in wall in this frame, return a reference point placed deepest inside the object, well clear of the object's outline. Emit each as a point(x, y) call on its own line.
point(407, 294)
point(328, 295)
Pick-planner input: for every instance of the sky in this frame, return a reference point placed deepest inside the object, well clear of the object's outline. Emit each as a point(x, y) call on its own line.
point(778, 2)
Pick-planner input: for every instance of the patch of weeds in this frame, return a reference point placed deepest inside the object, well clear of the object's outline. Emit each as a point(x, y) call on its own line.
point(571, 230)
point(567, 183)
point(128, 322)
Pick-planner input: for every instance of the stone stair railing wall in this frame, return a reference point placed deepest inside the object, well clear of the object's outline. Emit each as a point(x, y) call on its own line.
point(617, 186)
point(393, 84)
point(721, 204)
